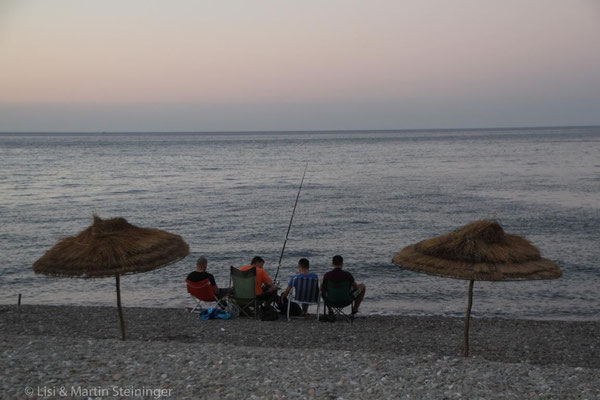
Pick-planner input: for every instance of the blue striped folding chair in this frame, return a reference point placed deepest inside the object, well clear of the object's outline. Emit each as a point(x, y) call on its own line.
point(305, 291)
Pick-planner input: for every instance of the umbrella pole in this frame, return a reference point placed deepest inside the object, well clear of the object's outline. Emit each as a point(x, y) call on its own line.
point(467, 319)
point(119, 307)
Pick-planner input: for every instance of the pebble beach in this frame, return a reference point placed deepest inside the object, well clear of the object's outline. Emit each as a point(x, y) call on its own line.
point(76, 352)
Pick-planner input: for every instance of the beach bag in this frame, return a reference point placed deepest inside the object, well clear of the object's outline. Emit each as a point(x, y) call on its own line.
point(214, 313)
point(232, 309)
point(268, 313)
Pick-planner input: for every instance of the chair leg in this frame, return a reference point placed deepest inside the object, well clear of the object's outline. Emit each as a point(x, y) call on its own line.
point(318, 307)
point(197, 306)
point(340, 312)
point(242, 310)
point(246, 310)
point(220, 304)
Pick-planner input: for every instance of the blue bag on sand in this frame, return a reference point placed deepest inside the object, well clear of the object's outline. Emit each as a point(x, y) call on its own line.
point(214, 313)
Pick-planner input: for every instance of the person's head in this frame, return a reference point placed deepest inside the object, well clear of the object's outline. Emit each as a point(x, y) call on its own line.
point(258, 262)
point(201, 264)
point(303, 264)
point(337, 262)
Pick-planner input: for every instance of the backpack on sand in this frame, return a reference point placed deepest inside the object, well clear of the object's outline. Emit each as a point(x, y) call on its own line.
point(282, 305)
point(268, 313)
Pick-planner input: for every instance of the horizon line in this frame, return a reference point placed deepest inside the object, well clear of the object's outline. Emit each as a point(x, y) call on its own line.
point(275, 131)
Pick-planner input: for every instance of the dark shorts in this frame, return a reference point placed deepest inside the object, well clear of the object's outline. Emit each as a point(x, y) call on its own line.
point(356, 292)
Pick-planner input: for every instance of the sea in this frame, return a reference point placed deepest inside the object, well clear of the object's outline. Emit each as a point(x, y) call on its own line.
point(366, 195)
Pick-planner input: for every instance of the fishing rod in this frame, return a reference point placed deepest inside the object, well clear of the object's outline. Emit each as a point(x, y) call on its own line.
point(290, 225)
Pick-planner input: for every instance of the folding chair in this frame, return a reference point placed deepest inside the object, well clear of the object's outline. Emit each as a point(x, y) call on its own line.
point(337, 296)
point(244, 290)
point(202, 291)
point(305, 291)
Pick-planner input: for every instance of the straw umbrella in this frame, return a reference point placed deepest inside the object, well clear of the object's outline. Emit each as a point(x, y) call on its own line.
point(112, 247)
point(479, 251)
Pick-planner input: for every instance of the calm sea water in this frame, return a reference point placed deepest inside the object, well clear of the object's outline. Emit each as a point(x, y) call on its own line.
point(366, 196)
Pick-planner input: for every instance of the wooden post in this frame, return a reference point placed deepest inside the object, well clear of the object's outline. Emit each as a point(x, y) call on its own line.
point(119, 307)
point(19, 303)
point(467, 319)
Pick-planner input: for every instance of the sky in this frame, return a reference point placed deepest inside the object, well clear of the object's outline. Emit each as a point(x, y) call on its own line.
point(239, 65)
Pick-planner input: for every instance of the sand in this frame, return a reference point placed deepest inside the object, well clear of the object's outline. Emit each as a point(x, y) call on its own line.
point(170, 353)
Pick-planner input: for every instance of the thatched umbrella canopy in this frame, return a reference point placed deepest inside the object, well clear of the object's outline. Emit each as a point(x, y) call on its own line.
point(479, 251)
point(112, 247)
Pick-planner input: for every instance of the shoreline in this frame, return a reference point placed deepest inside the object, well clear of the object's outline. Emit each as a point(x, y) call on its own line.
point(374, 357)
point(453, 315)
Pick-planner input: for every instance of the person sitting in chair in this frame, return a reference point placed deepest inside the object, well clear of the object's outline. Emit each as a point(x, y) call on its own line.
point(303, 271)
point(265, 289)
point(200, 274)
point(339, 275)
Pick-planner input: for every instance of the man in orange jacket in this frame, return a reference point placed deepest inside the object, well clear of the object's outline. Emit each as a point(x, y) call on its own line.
point(265, 289)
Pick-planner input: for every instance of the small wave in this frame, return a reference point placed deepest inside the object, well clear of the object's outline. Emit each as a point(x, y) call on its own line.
point(130, 191)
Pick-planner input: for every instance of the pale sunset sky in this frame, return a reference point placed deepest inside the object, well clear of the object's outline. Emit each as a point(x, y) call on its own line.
point(240, 65)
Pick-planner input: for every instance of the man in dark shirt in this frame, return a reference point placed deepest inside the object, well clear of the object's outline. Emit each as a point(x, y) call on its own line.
point(200, 274)
point(339, 275)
